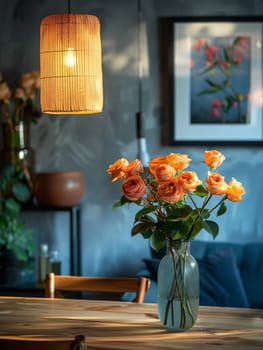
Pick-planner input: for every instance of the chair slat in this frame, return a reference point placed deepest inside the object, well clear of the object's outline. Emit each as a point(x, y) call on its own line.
point(55, 283)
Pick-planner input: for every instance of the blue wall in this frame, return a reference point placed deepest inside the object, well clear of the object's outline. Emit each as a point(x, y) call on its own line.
point(90, 143)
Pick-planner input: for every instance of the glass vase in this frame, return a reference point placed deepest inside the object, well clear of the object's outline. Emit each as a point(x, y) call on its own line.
point(17, 148)
point(178, 287)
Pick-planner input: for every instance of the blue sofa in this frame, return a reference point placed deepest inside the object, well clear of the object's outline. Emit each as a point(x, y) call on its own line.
point(230, 274)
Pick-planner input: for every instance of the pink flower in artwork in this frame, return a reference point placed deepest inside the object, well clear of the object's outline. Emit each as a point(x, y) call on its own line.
point(237, 51)
point(217, 103)
point(238, 59)
point(224, 59)
point(210, 52)
point(215, 112)
point(243, 41)
point(209, 58)
point(222, 63)
point(198, 43)
point(241, 50)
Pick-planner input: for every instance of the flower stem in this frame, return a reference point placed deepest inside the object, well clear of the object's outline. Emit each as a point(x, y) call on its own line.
point(217, 205)
point(178, 288)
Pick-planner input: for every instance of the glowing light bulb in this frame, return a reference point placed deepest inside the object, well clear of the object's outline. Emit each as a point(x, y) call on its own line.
point(70, 58)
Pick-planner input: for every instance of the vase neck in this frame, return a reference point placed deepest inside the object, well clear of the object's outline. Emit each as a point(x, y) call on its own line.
point(178, 247)
point(16, 136)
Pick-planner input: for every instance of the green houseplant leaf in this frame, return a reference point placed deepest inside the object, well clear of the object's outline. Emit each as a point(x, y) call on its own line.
point(211, 227)
point(21, 192)
point(14, 191)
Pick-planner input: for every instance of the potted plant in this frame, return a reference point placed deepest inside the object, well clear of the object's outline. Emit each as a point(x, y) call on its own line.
point(16, 244)
point(18, 109)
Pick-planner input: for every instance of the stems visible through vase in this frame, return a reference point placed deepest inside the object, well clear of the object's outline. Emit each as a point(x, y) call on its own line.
point(178, 252)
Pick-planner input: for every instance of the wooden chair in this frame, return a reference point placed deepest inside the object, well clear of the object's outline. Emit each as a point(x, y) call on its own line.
point(56, 283)
point(29, 343)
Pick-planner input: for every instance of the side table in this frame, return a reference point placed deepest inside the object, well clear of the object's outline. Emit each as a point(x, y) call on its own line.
point(74, 230)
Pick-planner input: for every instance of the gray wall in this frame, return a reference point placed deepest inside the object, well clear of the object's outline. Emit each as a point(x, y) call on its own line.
point(90, 143)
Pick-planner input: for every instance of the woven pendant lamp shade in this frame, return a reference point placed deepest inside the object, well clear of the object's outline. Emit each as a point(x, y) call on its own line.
point(70, 64)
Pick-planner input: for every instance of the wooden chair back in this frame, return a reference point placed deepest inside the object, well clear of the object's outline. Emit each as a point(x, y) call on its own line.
point(54, 284)
point(30, 343)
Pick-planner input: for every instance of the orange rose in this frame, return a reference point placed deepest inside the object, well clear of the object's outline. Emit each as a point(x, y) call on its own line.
point(116, 170)
point(170, 191)
point(178, 161)
point(235, 190)
point(163, 172)
point(216, 183)
point(135, 167)
point(188, 180)
point(155, 162)
point(133, 188)
point(213, 158)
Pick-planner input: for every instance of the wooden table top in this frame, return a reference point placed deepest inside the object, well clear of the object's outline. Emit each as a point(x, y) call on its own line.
point(128, 326)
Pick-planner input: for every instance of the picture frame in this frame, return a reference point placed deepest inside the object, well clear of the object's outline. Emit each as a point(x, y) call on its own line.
point(211, 80)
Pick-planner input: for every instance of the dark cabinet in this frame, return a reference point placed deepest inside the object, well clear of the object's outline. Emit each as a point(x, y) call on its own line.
point(74, 213)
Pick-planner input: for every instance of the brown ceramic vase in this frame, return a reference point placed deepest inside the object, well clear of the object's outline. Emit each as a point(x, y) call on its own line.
point(59, 189)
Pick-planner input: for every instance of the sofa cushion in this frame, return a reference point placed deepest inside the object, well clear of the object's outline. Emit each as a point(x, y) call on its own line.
point(152, 266)
point(252, 273)
point(220, 280)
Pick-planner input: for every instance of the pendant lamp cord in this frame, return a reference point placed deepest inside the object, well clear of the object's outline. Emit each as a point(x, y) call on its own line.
point(69, 7)
point(139, 129)
point(139, 45)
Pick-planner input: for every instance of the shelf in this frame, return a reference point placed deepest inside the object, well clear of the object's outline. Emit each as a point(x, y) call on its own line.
point(74, 229)
point(30, 290)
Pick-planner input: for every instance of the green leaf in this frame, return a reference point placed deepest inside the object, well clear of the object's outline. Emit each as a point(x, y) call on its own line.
point(3, 183)
point(210, 90)
point(146, 219)
point(213, 84)
point(229, 103)
point(178, 214)
point(147, 234)
point(236, 41)
point(178, 236)
point(21, 191)
point(168, 226)
point(205, 214)
point(21, 253)
point(116, 205)
point(145, 229)
point(222, 209)
point(144, 211)
point(9, 170)
point(193, 225)
point(123, 200)
point(138, 228)
point(201, 191)
point(12, 206)
point(209, 68)
point(226, 54)
point(211, 227)
point(157, 240)
point(226, 108)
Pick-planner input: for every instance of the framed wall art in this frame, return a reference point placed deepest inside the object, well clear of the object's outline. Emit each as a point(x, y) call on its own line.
point(212, 80)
